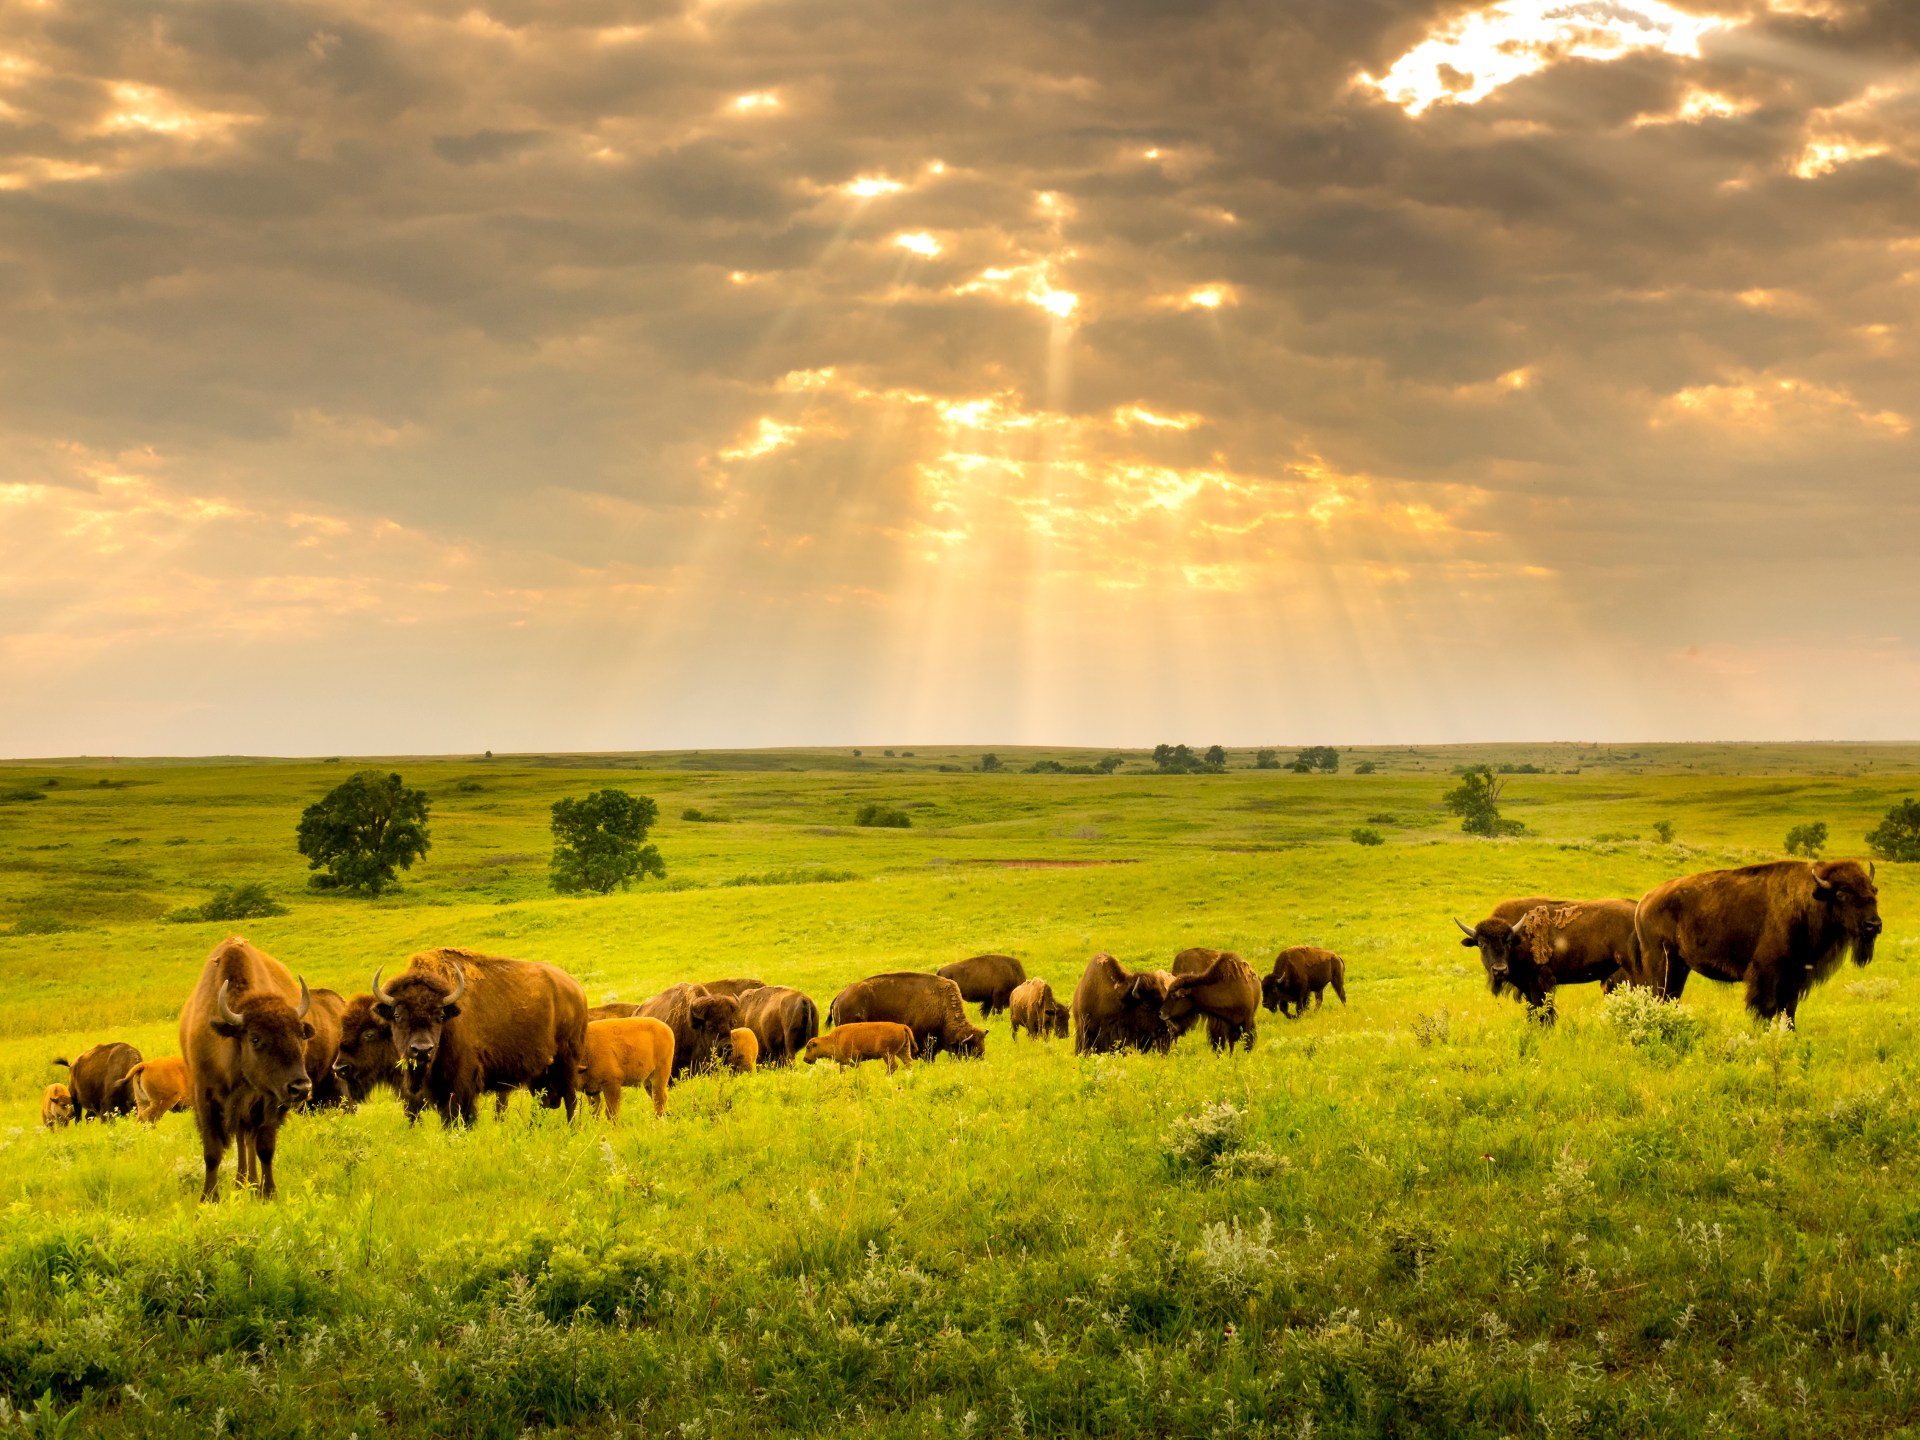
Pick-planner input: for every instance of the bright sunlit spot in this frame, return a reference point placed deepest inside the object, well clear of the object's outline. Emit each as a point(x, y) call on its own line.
point(919, 242)
point(758, 102)
point(866, 187)
point(1470, 58)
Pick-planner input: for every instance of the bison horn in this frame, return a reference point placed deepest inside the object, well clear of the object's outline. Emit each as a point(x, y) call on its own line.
point(378, 993)
point(1463, 929)
point(306, 1000)
point(459, 985)
point(225, 1010)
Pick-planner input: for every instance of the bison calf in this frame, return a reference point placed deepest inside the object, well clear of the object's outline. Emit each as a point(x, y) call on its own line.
point(864, 1040)
point(56, 1106)
point(636, 1050)
point(160, 1087)
point(1034, 1009)
point(743, 1049)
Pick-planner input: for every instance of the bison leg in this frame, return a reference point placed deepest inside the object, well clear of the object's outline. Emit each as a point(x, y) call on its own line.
point(612, 1100)
point(501, 1099)
point(213, 1145)
point(265, 1140)
point(658, 1085)
point(246, 1162)
point(1248, 1031)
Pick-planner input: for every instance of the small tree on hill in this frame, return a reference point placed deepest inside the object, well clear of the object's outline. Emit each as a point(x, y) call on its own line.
point(599, 841)
point(1266, 760)
point(1807, 840)
point(1217, 757)
point(1476, 800)
point(1323, 758)
point(363, 831)
point(989, 761)
point(1898, 836)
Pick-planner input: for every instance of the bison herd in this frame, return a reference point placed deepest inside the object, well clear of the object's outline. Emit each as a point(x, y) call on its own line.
point(256, 1042)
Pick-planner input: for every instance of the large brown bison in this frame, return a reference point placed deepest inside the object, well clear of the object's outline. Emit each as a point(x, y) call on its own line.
point(1551, 945)
point(1302, 972)
point(700, 1021)
point(326, 1017)
point(243, 1034)
point(364, 1060)
point(986, 980)
point(1779, 927)
point(464, 1023)
point(1218, 985)
point(1115, 1008)
point(99, 1080)
point(928, 1005)
point(1034, 1009)
point(782, 1020)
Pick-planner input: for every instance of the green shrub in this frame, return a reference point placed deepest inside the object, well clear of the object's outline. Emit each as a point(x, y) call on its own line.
point(1808, 840)
point(20, 795)
point(1642, 1017)
point(1663, 831)
point(1898, 836)
point(798, 876)
point(875, 815)
point(250, 901)
point(1365, 835)
point(1365, 767)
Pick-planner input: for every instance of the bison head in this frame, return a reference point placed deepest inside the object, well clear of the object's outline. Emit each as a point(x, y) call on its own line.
point(366, 1056)
point(273, 1036)
point(1058, 1021)
point(56, 1106)
point(812, 1052)
point(715, 1014)
point(1494, 940)
point(1852, 901)
point(416, 1007)
point(972, 1044)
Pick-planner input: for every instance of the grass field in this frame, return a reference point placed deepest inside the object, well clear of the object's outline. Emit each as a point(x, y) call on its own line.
point(1417, 1215)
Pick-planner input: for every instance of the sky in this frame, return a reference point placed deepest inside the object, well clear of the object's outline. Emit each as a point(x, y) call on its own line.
point(393, 377)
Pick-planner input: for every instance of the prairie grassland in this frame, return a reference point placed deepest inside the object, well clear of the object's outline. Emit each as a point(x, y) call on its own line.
point(1413, 1215)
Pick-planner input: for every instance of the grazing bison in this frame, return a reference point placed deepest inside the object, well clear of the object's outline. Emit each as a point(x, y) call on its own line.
point(1301, 971)
point(735, 988)
point(860, 1040)
point(464, 1022)
point(782, 1020)
point(243, 1034)
point(1216, 984)
point(1779, 927)
point(327, 1017)
point(1575, 943)
point(623, 1052)
point(743, 1050)
point(928, 1005)
point(1115, 1008)
point(97, 1080)
point(1490, 936)
point(700, 1022)
point(364, 1060)
point(56, 1106)
point(988, 980)
point(1033, 1008)
point(160, 1087)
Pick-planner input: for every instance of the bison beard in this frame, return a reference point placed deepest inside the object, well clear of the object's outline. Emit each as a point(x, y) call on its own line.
point(1779, 927)
point(464, 1023)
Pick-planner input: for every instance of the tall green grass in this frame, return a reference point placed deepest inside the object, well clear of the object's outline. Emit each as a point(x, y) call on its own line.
point(1413, 1215)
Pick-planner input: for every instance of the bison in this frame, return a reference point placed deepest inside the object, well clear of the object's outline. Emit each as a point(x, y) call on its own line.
point(782, 1020)
point(162, 1086)
point(1216, 984)
point(364, 1059)
point(622, 1052)
point(56, 1106)
point(700, 1022)
point(327, 1017)
point(464, 1022)
point(1033, 1008)
point(1490, 936)
point(243, 1034)
point(735, 988)
point(743, 1050)
point(1115, 1008)
point(1299, 972)
point(1575, 943)
point(860, 1040)
point(97, 1080)
point(988, 980)
point(928, 1005)
point(1779, 927)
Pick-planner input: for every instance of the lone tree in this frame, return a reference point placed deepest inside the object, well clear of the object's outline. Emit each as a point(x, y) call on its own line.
point(1216, 757)
point(1807, 840)
point(1266, 760)
point(1476, 800)
point(1323, 758)
point(1898, 836)
point(989, 762)
point(363, 832)
point(599, 841)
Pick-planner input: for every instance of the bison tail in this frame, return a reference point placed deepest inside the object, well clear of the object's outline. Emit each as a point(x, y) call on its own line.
point(1340, 979)
point(58, 1061)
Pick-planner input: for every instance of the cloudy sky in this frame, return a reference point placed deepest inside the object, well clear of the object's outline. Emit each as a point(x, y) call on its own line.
point(379, 375)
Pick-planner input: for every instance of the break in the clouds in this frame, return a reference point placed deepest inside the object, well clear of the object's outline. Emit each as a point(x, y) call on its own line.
point(428, 376)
